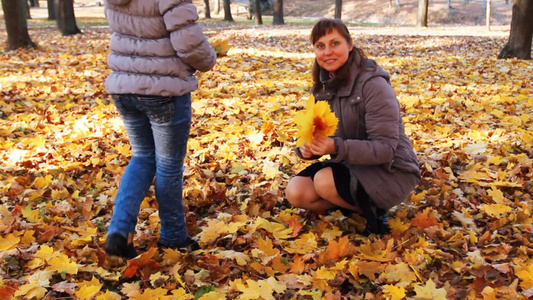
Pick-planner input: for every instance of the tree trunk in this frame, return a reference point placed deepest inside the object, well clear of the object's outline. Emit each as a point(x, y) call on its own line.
point(51, 10)
point(258, 15)
point(16, 25)
point(521, 35)
point(422, 20)
point(207, 10)
point(250, 14)
point(34, 3)
point(278, 13)
point(449, 4)
point(27, 9)
point(227, 11)
point(338, 9)
point(66, 21)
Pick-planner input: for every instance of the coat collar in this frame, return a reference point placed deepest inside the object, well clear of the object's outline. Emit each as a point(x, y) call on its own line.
point(346, 89)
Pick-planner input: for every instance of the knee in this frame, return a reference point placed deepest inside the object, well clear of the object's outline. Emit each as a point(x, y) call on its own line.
point(294, 193)
point(324, 184)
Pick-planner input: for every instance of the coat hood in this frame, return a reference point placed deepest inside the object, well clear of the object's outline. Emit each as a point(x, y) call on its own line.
point(118, 2)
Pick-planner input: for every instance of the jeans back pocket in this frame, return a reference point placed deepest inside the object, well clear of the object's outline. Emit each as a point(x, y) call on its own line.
point(160, 109)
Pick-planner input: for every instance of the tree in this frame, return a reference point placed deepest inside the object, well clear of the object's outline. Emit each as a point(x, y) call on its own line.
point(422, 20)
point(227, 11)
point(258, 16)
point(278, 13)
point(16, 25)
point(66, 21)
point(51, 10)
point(521, 35)
point(338, 9)
point(207, 10)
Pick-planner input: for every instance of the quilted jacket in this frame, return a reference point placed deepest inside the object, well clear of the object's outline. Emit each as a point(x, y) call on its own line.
point(156, 47)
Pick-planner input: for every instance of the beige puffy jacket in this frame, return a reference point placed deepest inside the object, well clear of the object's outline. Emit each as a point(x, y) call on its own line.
point(156, 47)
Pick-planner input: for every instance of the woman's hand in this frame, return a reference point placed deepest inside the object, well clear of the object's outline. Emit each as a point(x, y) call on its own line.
point(306, 151)
point(322, 146)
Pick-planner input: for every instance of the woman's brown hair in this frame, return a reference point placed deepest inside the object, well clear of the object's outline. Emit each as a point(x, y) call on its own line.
point(326, 26)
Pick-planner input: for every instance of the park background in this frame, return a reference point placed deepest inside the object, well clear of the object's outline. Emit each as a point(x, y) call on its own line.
point(465, 233)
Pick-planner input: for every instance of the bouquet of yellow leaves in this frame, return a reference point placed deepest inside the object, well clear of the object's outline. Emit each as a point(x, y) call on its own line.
point(221, 45)
point(316, 120)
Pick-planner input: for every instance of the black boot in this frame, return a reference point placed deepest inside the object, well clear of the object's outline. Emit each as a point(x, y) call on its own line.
point(117, 245)
point(188, 246)
point(377, 219)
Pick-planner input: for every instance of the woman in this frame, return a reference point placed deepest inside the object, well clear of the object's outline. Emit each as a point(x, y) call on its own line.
point(373, 166)
point(156, 48)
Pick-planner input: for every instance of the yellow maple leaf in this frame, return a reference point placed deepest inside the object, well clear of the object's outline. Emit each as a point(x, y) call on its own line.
point(214, 229)
point(305, 244)
point(255, 290)
point(429, 292)
point(278, 286)
point(62, 263)
point(31, 290)
point(325, 273)
point(241, 258)
point(265, 245)
point(526, 274)
point(278, 230)
point(210, 296)
point(221, 45)
point(496, 210)
point(8, 242)
point(394, 292)
point(399, 273)
point(41, 182)
point(316, 120)
point(108, 295)
point(88, 289)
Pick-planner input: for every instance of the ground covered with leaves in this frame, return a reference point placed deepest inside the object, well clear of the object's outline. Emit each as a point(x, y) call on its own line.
point(466, 232)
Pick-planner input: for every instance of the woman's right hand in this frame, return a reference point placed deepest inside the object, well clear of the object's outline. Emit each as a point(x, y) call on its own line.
point(306, 151)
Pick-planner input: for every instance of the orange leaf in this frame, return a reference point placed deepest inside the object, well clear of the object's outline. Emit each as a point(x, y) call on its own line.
point(424, 220)
point(339, 249)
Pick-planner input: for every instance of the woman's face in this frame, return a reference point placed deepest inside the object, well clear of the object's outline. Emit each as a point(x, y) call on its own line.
point(332, 51)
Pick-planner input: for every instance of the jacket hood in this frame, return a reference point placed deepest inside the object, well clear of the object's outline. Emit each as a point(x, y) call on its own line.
point(118, 2)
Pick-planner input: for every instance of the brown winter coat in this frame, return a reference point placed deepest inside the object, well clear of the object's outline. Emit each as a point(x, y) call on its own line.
point(157, 46)
point(370, 138)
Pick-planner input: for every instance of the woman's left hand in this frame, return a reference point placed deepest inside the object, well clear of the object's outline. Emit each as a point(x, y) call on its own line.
point(322, 146)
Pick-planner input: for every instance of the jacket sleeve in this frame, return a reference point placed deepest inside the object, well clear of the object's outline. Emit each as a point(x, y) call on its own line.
point(382, 119)
point(186, 34)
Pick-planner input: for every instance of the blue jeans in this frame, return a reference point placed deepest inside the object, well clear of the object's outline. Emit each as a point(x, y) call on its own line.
point(158, 129)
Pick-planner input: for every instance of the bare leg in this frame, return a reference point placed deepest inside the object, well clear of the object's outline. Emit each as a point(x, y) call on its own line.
point(325, 188)
point(318, 195)
point(300, 192)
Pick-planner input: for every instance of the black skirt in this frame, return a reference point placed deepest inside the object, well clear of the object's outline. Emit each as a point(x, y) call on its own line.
point(341, 177)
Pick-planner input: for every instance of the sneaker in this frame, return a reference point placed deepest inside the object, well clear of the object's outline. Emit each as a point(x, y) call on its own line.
point(189, 245)
point(117, 245)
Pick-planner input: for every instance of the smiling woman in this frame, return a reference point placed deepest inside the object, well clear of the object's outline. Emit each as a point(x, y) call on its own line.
point(372, 165)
